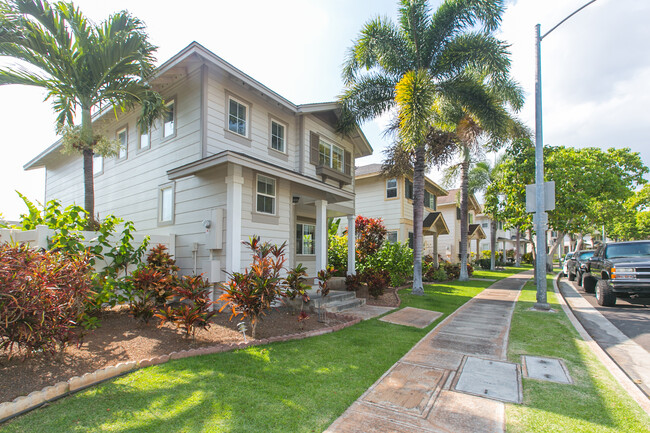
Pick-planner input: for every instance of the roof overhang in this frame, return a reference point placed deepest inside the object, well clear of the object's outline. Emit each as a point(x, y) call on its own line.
point(475, 232)
point(334, 194)
point(435, 223)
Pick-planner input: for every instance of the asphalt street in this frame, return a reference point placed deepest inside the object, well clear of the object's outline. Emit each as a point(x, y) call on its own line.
point(631, 316)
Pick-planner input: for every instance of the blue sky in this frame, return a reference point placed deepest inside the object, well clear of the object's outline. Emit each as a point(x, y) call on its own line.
point(596, 67)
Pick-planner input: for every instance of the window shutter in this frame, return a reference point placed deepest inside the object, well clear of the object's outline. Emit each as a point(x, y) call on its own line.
point(314, 140)
point(348, 163)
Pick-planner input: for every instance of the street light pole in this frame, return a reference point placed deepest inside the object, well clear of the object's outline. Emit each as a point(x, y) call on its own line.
point(541, 217)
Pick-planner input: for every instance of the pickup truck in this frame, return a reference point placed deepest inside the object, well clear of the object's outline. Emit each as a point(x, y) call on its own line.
point(620, 269)
point(577, 267)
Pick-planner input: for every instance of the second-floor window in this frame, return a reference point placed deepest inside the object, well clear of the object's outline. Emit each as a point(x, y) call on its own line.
point(122, 141)
point(237, 117)
point(166, 204)
point(145, 141)
point(429, 200)
point(265, 194)
point(98, 164)
point(277, 136)
point(391, 188)
point(331, 155)
point(169, 123)
point(408, 189)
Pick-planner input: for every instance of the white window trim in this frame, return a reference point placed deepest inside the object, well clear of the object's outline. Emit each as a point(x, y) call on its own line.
point(302, 249)
point(247, 120)
point(396, 188)
point(284, 139)
point(95, 159)
point(332, 146)
point(275, 197)
point(124, 129)
point(140, 148)
point(173, 102)
point(161, 188)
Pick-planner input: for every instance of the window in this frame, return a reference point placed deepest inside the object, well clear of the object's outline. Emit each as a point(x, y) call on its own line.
point(470, 218)
point(237, 117)
point(98, 164)
point(305, 239)
point(392, 237)
point(166, 204)
point(169, 124)
point(429, 200)
point(411, 240)
point(122, 140)
point(331, 155)
point(484, 225)
point(408, 189)
point(145, 141)
point(391, 188)
point(277, 136)
point(265, 194)
point(457, 213)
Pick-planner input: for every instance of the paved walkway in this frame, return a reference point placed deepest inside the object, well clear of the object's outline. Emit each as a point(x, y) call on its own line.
point(419, 393)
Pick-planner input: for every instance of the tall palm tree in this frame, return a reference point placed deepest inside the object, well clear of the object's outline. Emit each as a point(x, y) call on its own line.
point(81, 66)
point(486, 124)
point(404, 67)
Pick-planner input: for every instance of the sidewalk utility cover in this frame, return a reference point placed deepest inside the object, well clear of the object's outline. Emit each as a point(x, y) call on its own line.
point(492, 379)
point(549, 369)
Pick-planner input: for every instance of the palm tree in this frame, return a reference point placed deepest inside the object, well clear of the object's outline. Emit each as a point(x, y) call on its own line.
point(478, 125)
point(81, 66)
point(406, 66)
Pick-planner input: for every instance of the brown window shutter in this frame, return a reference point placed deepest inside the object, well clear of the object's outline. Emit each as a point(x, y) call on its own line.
point(348, 163)
point(314, 140)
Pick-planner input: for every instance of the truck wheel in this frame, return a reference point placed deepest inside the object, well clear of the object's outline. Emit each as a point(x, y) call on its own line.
point(604, 294)
point(572, 276)
point(589, 284)
point(580, 278)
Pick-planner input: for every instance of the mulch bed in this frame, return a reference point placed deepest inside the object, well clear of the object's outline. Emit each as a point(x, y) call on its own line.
point(120, 338)
point(388, 299)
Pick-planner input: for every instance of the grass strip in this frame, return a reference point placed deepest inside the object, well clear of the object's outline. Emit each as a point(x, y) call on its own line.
point(296, 386)
point(595, 403)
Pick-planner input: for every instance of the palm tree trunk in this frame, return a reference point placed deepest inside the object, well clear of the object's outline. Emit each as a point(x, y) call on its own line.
point(464, 205)
point(89, 185)
point(493, 245)
point(418, 210)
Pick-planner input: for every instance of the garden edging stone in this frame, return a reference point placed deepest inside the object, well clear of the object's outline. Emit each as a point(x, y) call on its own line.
point(36, 399)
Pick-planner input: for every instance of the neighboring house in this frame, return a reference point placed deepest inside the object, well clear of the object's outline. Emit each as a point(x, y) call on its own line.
point(449, 245)
point(391, 198)
point(230, 160)
point(506, 239)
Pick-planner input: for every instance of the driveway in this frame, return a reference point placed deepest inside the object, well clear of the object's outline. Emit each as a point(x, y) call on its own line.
point(630, 316)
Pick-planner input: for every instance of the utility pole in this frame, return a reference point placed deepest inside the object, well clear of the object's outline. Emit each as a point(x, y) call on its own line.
point(541, 217)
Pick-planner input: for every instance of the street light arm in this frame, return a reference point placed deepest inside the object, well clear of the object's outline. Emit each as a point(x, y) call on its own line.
point(560, 23)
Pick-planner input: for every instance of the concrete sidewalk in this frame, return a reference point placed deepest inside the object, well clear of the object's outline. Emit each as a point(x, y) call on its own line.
point(453, 380)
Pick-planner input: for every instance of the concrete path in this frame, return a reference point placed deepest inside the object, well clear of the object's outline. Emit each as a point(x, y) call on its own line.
point(630, 356)
point(419, 393)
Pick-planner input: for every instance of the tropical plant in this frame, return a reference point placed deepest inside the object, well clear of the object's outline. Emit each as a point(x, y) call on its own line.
point(42, 298)
point(337, 253)
point(407, 66)
point(192, 307)
point(323, 277)
point(296, 285)
point(371, 233)
point(253, 291)
point(82, 66)
point(377, 281)
point(394, 257)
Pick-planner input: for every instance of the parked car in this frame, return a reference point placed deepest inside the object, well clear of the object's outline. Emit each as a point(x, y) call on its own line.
point(565, 263)
point(578, 265)
point(620, 269)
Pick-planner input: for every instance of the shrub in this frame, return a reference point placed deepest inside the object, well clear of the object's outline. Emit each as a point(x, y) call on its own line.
point(435, 274)
point(324, 276)
point(152, 284)
point(253, 291)
point(337, 253)
point(371, 233)
point(192, 310)
point(453, 270)
point(42, 297)
point(377, 280)
point(353, 282)
point(396, 258)
point(527, 258)
point(484, 263)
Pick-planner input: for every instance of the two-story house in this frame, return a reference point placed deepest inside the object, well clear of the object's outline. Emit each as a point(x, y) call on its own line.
point(231, 159)
point(391, 198)
point(449, 244)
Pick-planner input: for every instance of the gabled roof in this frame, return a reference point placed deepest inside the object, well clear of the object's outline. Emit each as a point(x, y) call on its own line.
point(195, 50)
point(435, 223)
point(475, 232)
point(454, 197)
point(370, 170)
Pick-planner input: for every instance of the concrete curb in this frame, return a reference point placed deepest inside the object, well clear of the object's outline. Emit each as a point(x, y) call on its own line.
point(36, 399)
point(616, 371)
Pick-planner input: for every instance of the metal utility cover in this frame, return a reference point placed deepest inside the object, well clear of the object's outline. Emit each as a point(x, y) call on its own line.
point(491, 379)
point(549, 369)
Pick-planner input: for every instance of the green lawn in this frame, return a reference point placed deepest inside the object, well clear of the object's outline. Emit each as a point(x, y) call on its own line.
point(594, 403)
point(299, 386)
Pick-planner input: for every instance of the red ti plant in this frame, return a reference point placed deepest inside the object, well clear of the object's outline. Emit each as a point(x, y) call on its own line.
point(371, 233)
point(324, 276)
point(296, 286)
point(301, 319)
point(252, 292)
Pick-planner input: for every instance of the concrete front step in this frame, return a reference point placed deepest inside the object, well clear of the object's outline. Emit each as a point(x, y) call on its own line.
point(336, 301)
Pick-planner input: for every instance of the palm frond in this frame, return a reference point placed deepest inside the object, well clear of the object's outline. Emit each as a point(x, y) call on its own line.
point(415, 95)
point(370, 96)
point(414, 21)
point(473, 50)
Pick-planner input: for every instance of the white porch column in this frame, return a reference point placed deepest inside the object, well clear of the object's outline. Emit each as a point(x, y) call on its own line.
point(234, 182)
point(321, 234)
point(352, 244)
point(435, 250)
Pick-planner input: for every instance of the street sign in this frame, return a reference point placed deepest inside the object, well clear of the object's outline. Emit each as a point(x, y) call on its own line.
point(549, 197)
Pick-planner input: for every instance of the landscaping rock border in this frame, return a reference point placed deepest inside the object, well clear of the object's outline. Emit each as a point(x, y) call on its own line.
point(36, 399)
